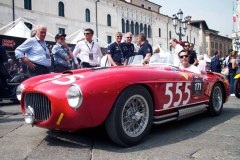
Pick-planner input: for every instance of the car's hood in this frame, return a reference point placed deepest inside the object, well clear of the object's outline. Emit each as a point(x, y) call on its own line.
point(67, 78)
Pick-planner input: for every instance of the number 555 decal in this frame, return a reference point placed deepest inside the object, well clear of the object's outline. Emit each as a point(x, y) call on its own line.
point(168, 91)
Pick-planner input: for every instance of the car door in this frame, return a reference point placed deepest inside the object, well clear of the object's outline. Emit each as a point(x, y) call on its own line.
point(180, 89)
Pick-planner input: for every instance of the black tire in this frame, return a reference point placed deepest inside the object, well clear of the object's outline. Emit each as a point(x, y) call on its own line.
point(216, 100)
point(237, 87)
point(131, 116)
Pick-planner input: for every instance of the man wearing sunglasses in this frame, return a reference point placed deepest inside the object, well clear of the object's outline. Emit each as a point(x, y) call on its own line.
point(193, 55)
point(115, 51)
point(184, 60)
point(62, 54)
point(128, 46)
point(88, 51)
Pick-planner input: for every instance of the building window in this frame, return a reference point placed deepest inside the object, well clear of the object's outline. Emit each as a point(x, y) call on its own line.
point(123, 26)
point(159, 32)
point(28, 4)
point(149, 32)
point(141, 27)
point(61, 30)
point(187, 39)
point(142, 5)
point(109, 22)
point(109, 39)
point(149, 8)
point(212, 44)
point(87, 13)
point(136, 28)
point(61, 9)
point(170, 34)
point(29, 25)
point(145, 29)
point(127, 26)
point(132, 27)
point(220, 46)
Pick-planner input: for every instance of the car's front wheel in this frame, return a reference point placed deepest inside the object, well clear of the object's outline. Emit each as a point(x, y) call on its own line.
point(216, 100)
point(131, 116)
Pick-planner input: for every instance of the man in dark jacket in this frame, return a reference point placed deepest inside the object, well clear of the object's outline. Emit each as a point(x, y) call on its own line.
point(216, 63)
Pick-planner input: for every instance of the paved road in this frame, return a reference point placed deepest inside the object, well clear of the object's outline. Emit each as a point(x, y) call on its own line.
point(198, 138)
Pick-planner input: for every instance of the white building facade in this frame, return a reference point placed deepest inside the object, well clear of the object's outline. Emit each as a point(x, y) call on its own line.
point(105, 17)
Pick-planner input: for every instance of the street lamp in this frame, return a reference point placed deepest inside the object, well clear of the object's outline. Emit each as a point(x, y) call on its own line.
point(178, 21)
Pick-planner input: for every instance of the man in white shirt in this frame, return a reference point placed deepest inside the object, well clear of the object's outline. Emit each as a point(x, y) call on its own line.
point(184, 59)
point(177, 48)
point(88, 51)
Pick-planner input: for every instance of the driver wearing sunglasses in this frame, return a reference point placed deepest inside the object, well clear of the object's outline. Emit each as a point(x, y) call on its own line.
point(185, 65)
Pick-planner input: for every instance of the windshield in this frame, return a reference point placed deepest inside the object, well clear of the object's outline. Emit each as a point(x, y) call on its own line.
point(164, 57)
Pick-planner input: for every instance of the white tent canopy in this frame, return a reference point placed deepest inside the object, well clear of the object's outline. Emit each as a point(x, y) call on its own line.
point(19, 30)
point(78, 37)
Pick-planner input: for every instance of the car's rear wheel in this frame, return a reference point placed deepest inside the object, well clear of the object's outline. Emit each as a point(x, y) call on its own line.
point(216, 100)
point(131, 116)
point(237, 87)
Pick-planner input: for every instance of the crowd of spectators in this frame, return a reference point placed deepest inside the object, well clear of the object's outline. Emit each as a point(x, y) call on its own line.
point(35, 58)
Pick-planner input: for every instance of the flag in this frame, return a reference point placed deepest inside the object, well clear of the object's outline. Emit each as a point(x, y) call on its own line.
point(234, 14)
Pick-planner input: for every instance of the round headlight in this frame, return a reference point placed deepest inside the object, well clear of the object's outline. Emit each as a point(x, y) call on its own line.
point(74, 96)
point(19, 91)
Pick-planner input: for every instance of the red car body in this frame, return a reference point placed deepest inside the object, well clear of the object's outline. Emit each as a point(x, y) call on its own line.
point(170, 89)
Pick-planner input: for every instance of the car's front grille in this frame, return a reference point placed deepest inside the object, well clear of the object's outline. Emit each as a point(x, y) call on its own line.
point(40, 104)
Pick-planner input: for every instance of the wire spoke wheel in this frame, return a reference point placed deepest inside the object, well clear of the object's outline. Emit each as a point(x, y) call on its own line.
point(216, 100)
point(135, 115)
point(130, 119)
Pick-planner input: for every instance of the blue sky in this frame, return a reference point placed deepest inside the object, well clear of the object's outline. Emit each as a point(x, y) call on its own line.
point(217, 13)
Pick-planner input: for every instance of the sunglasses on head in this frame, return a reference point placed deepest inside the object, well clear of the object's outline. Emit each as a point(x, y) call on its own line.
point(186, 56)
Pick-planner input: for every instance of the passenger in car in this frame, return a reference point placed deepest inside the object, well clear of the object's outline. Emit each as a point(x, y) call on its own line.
point(184, 60)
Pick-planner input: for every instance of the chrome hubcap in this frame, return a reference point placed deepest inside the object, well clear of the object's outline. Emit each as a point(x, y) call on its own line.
point(217, 98)
point(135, 115)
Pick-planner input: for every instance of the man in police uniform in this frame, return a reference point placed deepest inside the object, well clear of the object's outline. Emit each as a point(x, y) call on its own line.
point(116, 52)
point(145, 48)
point(128, 47)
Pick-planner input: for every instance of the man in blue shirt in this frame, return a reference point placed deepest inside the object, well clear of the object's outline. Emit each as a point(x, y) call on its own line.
point(62, 54)
point(115, 51)
point(37, 56)
point(128, 47)
point(145, 48)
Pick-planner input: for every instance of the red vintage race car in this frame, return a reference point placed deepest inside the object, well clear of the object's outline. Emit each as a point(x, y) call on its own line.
point(127, 99)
